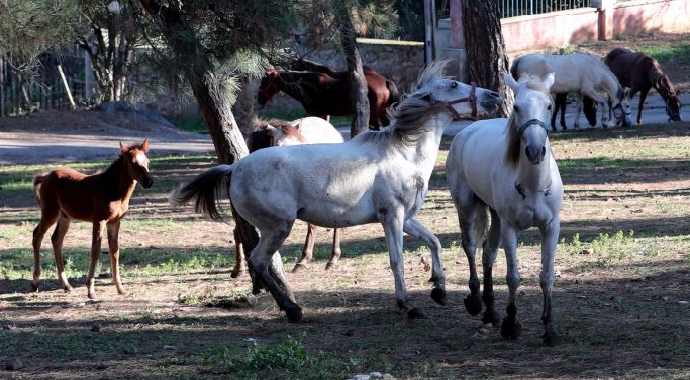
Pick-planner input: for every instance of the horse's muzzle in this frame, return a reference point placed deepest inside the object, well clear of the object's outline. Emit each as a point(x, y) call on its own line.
point(535, 154)
point(147, 182)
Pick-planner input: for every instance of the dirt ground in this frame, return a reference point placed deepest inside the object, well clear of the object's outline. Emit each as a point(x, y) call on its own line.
point(621, 294)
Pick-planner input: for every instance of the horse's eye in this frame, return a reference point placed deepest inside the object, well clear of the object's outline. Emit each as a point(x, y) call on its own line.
point(516, 109)
point(454, 85)
point(550, 107)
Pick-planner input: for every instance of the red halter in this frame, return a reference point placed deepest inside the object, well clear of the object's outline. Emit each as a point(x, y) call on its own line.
point(472, 99)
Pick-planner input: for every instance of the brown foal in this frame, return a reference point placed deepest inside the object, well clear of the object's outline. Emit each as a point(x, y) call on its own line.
point(103, 199)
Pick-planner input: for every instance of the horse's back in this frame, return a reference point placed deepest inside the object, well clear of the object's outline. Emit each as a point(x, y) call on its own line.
point(632, 69)
point(570, 70)
point(317, 130)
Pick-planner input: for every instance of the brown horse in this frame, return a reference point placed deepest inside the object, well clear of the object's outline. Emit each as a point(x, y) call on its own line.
point(103, 199)
point(322, 94)
point(641, 72)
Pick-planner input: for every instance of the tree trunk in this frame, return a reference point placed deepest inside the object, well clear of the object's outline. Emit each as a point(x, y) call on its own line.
point(215, 109)
point(358, 83)
point(243, 109)
point(486, 52)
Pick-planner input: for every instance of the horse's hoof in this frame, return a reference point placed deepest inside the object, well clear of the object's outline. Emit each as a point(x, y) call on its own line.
point(298, 267)
point(67, 289)
point(236, 272)
point(34, 286)
point(510, 328)
point(416, 313)
point(121, 291)
point(92, 295)
point(473, 305)
point(294, 314)
point(491, 316)
point(551, 339)
point(439, 296)
point(331, 265)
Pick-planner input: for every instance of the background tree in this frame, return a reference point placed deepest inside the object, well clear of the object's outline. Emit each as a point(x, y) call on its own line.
point(211, 41)
point(486, 52)
point(109, 37)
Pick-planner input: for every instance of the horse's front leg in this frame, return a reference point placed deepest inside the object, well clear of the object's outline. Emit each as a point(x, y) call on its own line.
point(392, 220)
point(549, 240)
point(307, 250)
point(510, 328)
point(335, 251)
point(578, 111)
point(96, 239)
point(114, 248)
point(640, 105)
point(414, 228)
point(489, 252)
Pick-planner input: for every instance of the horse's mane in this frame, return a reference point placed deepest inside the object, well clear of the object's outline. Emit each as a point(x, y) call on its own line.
point(408, 119)
point(512, 155)
point(262, 136)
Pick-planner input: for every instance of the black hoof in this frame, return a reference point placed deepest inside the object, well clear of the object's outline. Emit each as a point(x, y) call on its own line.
point(416, 313)
point(473, 305)
point(298, 267)
point(294, 314)
point(552, 339)
point(331, 265)
point(491, 317)
point(510, 329)
point(439, 296)
point(236, 273)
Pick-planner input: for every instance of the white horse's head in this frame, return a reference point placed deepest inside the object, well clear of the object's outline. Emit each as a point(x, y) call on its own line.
point(621, 107)
point(529, 122)
point(464, 99)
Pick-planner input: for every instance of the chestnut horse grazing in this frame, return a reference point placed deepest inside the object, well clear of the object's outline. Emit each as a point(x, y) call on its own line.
point(640, 72)
point(308, 130)
point(378, 176)
point(322, 94)
point(103, 199)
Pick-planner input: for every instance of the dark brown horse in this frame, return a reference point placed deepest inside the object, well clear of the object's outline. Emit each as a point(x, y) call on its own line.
point(589, 106)
point(641, 72)
point(322, 94)
point(103, 199)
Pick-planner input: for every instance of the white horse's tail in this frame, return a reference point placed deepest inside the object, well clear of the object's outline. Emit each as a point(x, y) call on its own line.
point(481, 225)
point(206, 189)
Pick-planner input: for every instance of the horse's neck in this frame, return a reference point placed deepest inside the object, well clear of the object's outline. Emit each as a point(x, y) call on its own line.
point(425, 150)
point(663, 85)
point(117, 179)
point(534, 178)
point(609, 83)
point(291, 84)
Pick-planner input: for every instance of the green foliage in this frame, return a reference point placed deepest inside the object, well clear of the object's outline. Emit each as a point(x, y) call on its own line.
point(677, 53)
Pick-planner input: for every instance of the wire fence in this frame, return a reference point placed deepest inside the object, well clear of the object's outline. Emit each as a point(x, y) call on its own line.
point(42, 87)
point(513, 8)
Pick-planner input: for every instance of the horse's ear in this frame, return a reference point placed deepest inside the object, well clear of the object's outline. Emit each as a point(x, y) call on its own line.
point(123, 148)
point(272, 73)
point(627, 93)
point(145, 145)
point(548, 81)
point(510, 81)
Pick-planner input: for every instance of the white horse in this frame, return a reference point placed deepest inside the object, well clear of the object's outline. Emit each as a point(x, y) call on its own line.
point(379, 176)
point(522, 190)
point(307, 130)
point(582, 73)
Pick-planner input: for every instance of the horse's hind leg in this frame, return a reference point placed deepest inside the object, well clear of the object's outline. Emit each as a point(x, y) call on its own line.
point(335, 253)
point(510, 328)
point(96, 239)
point(488, 258)
point(259, 261)
point(549, 240)
point(414, 228)
point(48, 217)
point(58, 239)
point(307, 250)
point(467, 213)
point(114, 249)
point(239, 254)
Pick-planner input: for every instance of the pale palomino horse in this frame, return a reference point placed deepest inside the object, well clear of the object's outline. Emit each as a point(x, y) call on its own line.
point(379, 176)
point(582, 73)
point(307, 130)
point(521, 190)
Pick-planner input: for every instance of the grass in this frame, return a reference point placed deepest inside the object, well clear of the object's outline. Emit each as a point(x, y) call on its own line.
point(677, 52)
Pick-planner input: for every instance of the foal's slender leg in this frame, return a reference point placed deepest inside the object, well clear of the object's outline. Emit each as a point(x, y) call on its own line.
point(335, 253)
point(307, 250)
point(114, 248)
point(97, 238)
point(58, 239)
point(510, 328)
point(414, 228)
point(488, 258)
point(48, 218)
point(392, 221)
point(549, 240)
point(259, 261)
point(239, 254)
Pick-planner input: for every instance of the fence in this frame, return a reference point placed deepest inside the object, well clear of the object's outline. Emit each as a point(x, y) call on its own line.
point(513, 8)
point(42, 88)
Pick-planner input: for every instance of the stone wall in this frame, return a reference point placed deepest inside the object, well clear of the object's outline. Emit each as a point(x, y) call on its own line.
point(400, 61)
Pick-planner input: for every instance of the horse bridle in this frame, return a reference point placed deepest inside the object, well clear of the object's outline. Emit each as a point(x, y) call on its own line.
point(529, 122)
point(668, 109)
point(619, 105)
point(271, 86)
point(472, 99)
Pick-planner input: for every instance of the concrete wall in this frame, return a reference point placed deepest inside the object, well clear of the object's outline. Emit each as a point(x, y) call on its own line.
point(639, 16)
